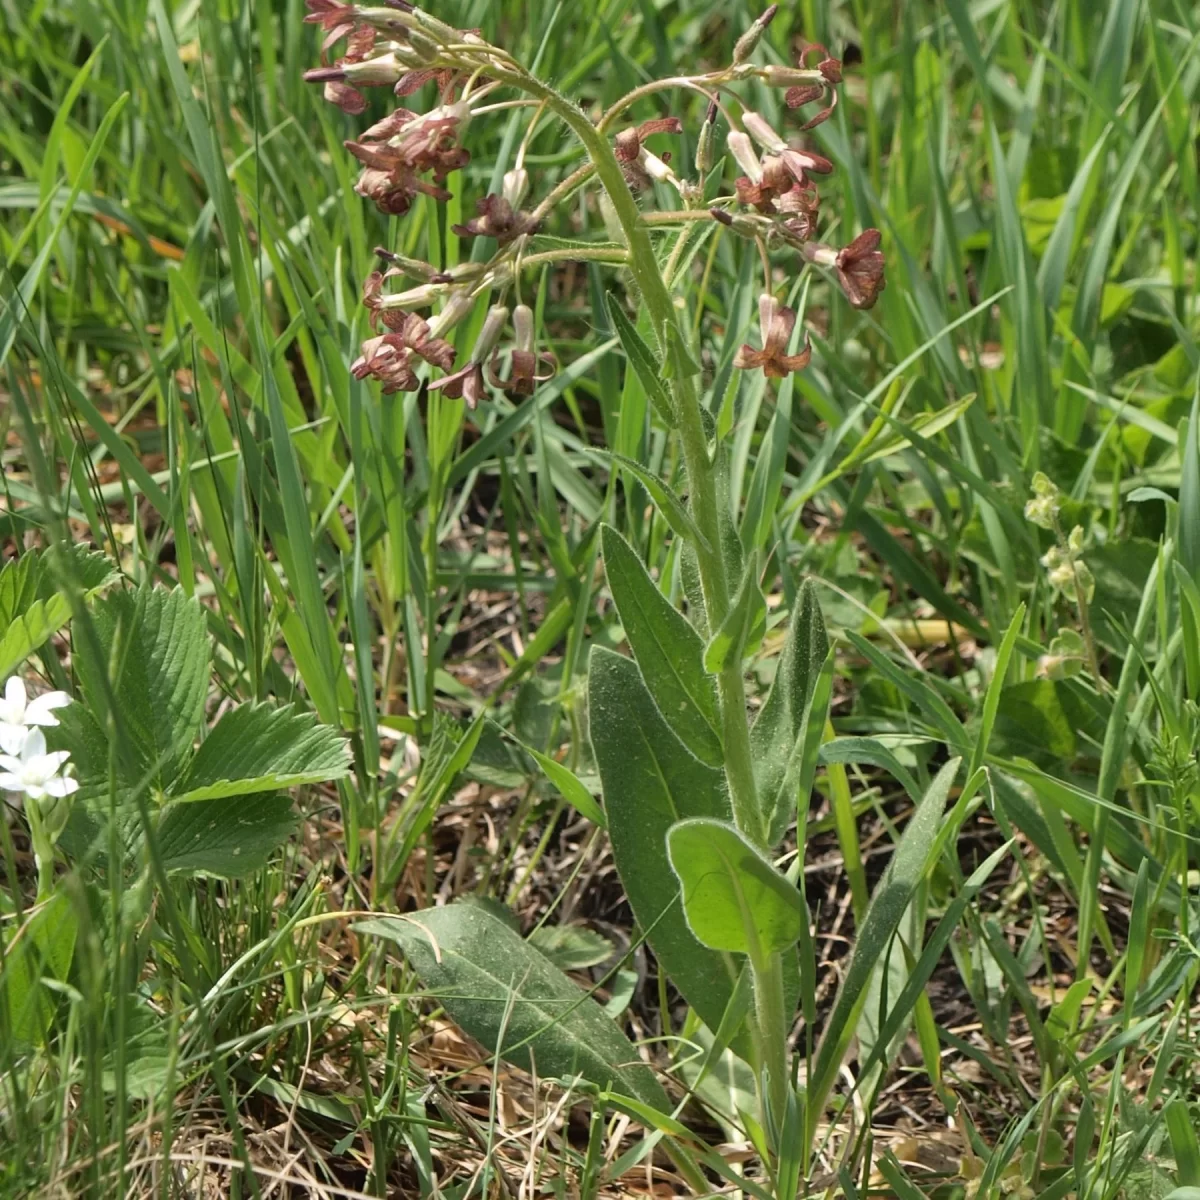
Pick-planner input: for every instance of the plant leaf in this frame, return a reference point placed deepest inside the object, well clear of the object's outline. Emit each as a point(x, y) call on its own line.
point(154, 650)
point(227, 835)
point(908, 865)
point(511, 998)
point(782, 723)
point(642, 359)
point(570, 787)
point(650, 782)
point(742, 626)
point(572, 947)
point(733, 896)
point(34, 602)
point(668, 650)
point(262, 748)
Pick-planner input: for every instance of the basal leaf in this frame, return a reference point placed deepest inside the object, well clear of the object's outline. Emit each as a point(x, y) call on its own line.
point(151, 646)
point(733, 896)
point(668, 650)
point(228, 836)
point(511, 998)
point(262, 748)
point(782, 723)
point(650, 781)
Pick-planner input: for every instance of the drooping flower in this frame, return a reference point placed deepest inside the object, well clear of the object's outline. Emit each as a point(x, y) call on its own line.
point(639, 165)
point(18, 713)
point(523, 376)
point(777, 322)
point(495, 217)
point(799, 163)
point(389, 357)
point(859, 266)
point(34, 772)
point(467, 382)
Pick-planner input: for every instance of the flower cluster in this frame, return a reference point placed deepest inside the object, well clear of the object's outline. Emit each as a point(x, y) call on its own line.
point(774, 199)
point(26, 767)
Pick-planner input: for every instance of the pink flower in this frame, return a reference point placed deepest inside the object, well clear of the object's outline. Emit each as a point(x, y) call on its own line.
point(777, 322)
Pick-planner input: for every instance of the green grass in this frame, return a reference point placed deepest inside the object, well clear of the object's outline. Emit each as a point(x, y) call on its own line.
point(183, 256)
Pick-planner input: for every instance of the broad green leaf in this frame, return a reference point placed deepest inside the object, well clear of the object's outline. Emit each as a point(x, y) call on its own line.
point(227, 835)
point(650, 782)
point(733, 896)
point(742, 626)
point(41, 948)
point(909, 863)
point(511, 998)
point(668, 650)
point(154, 652)
point(781, 725)
point(1064, 1016)
point(262, 748)
point(35, 602)
point(642, 359)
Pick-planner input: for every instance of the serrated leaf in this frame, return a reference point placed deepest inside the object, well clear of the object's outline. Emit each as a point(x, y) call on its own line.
point(668, 651)
point(510, 998)
point(228, 836)
point(34, 603)
point(642, 359)
point(153, 648)
point(651, 781)
point(742, 626)
point(733, 896)
point(781, 726)
point(262, 748)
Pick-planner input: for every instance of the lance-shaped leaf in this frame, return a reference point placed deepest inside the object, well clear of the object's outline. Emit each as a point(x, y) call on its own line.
point(650, 781)
point(743, 626)
point(733, 896)
point(778, 737)
point(668, 650)
point(910, 860)
point(261, 748)
point(511, 998)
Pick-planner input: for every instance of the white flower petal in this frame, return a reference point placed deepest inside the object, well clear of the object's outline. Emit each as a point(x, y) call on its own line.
point(48, 764)
point(11, 783)
point(9, 763)
point(38, 711)
point(14, 694)
point(61, 785)
point(12, 738)
point(35, 745)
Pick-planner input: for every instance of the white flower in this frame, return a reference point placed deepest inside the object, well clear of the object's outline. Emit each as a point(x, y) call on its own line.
point(35, 772)
point(17, 714)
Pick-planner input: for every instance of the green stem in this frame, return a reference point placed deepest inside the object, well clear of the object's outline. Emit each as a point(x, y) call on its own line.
point(643, 265)
point(770, 1015)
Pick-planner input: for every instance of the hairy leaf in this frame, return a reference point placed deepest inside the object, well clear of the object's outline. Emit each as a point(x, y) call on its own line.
point(511, 998)
point(668, 650)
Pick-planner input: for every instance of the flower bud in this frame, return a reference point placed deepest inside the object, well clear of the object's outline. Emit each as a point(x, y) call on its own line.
point(523, 327)
point(744, 154)
point(489, 336)
point(704, 146)
point(516, 186)
point(750, 39)
point(458, 306)
point(758, 128)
